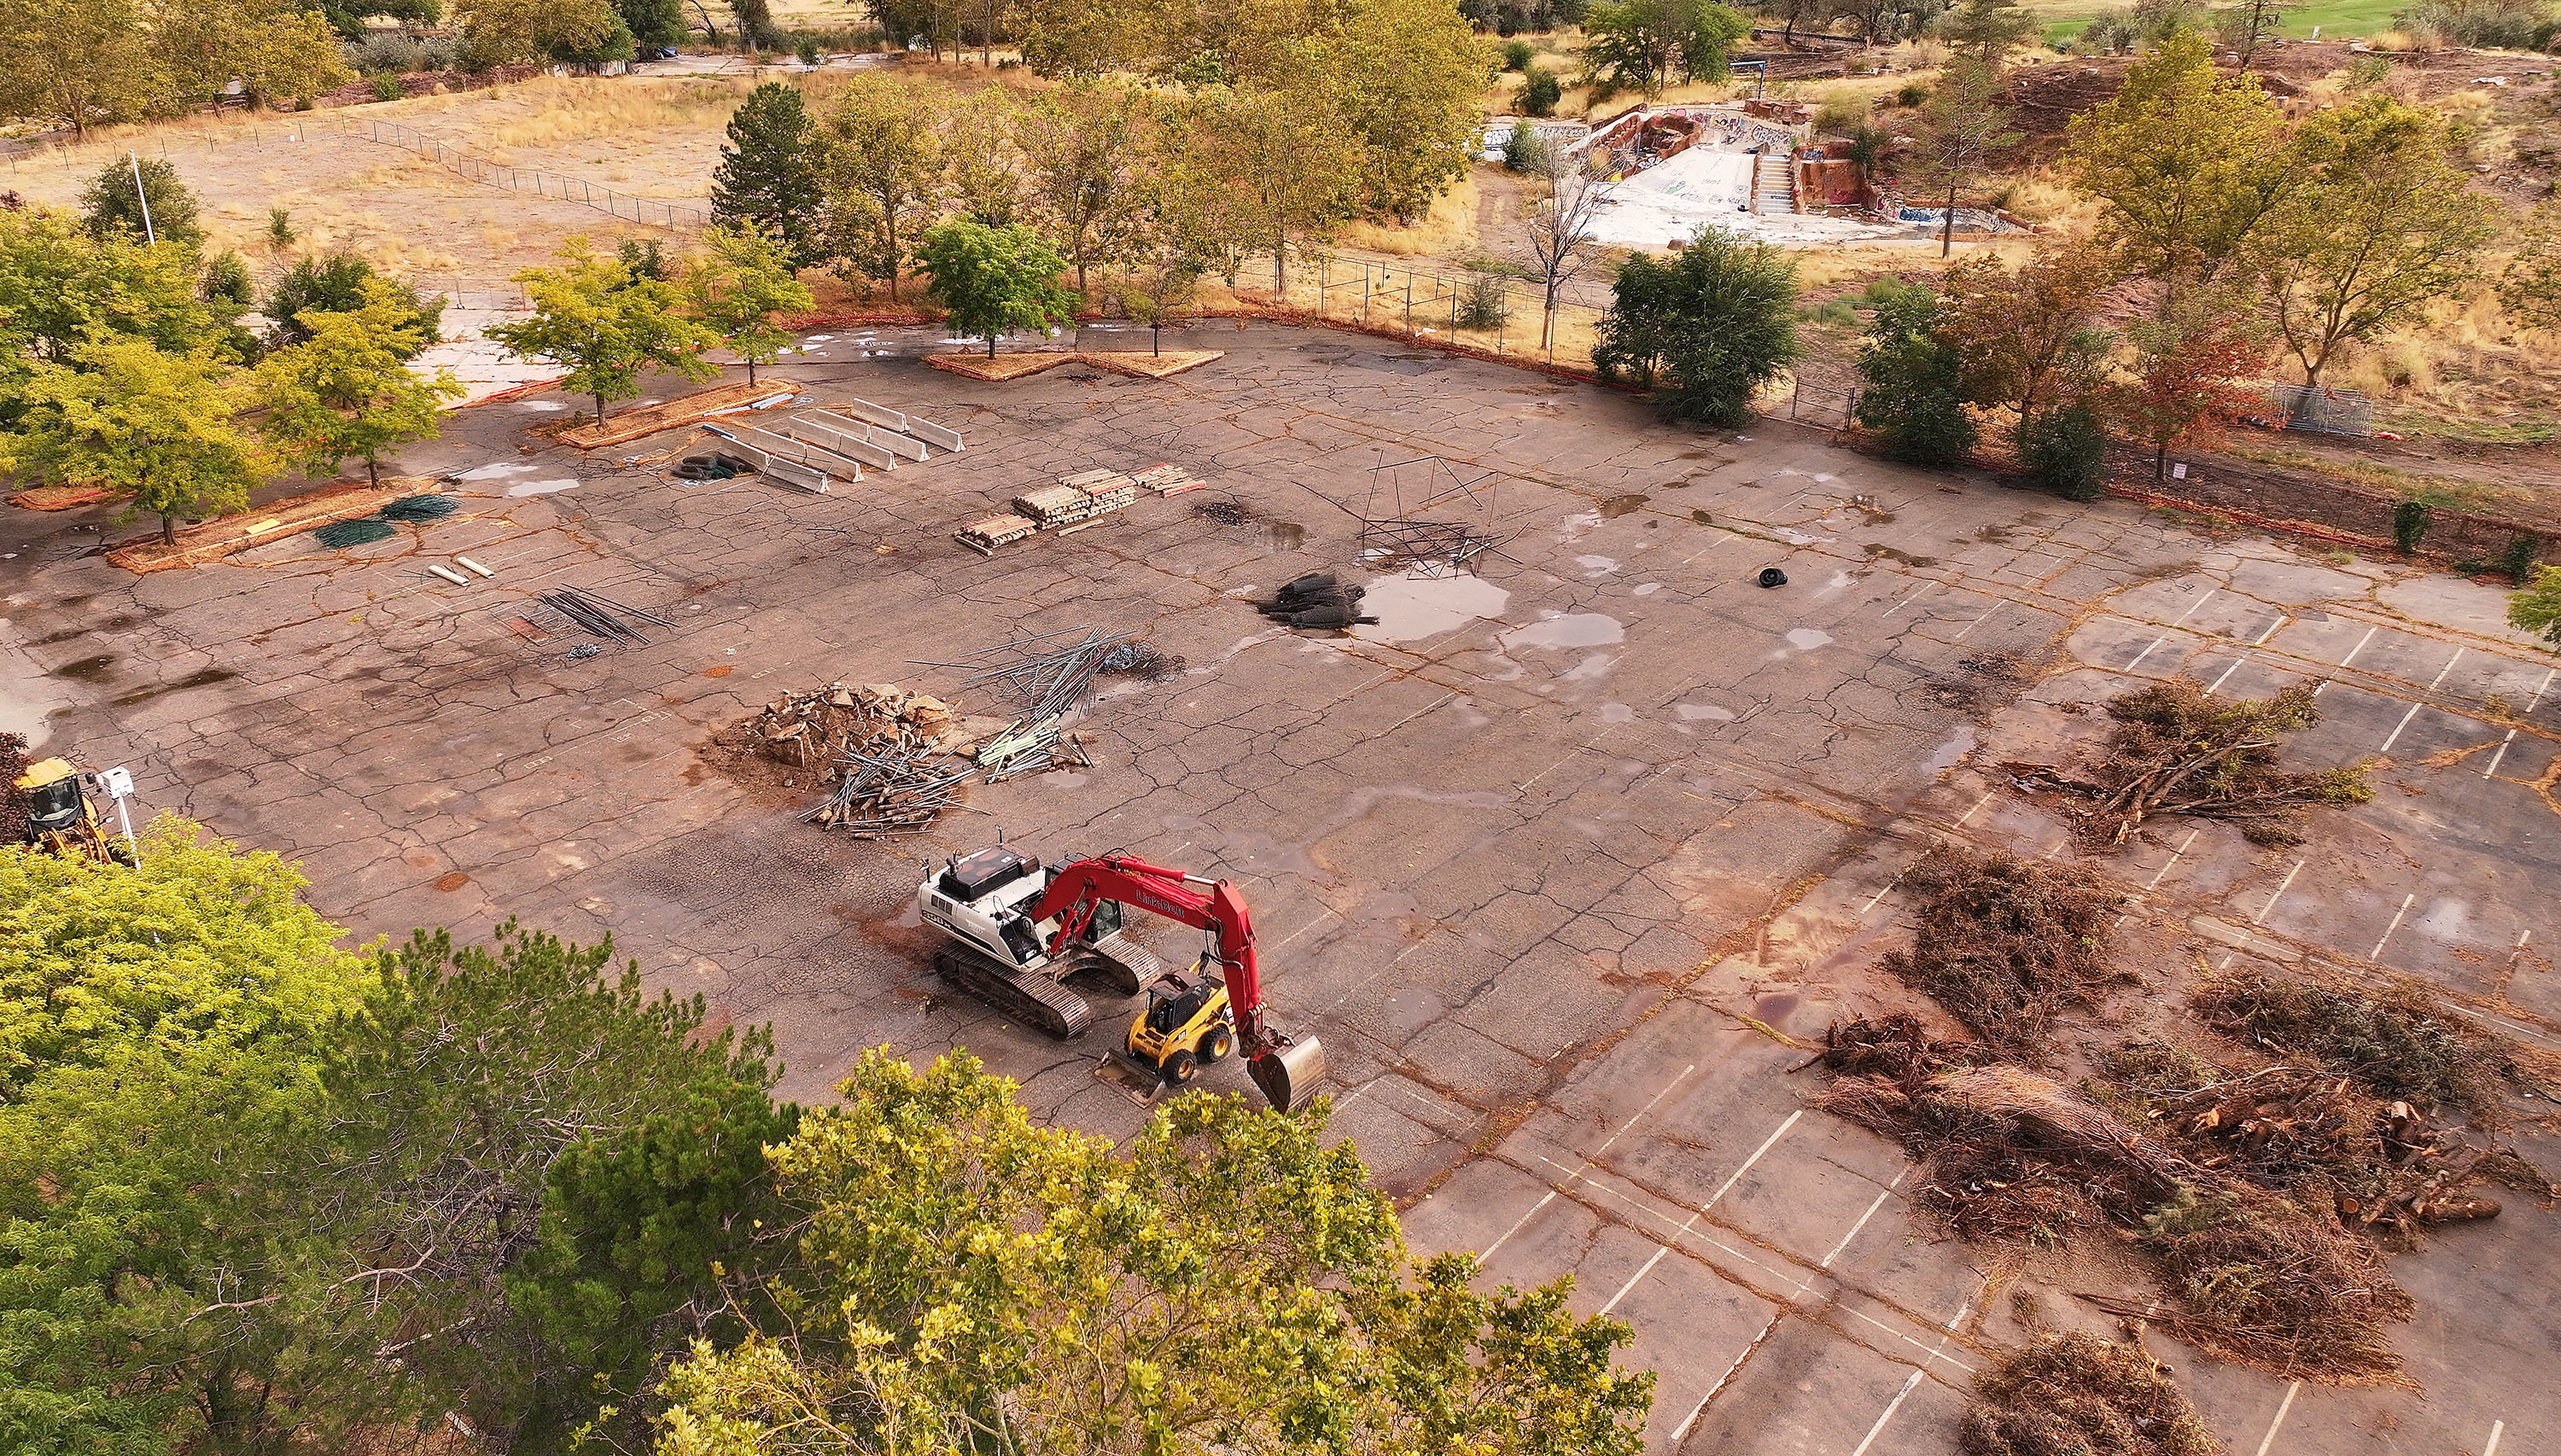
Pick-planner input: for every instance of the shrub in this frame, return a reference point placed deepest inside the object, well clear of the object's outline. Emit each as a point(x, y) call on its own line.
point(1482, 303)
point(334, 285)
point(2505, 25)
point(1834, 311)
point(2065, 451)
point(226, 280)
point(1523, 151)
point(1843, 113)
point(1516, 55)
point(2409, 521)
point(1708, 326)
point(280, 227)
point(1913, 94)
point(807, 51)
point(1866, 144)
point(1541, 90)
point(388, 88)
point(2518, 562)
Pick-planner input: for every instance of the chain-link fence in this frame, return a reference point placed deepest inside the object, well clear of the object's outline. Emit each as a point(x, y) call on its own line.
point(2323, 411)
point(1490, 310)
point(646, 210)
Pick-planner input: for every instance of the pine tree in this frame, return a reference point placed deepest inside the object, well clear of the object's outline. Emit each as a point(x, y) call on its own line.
point(767, 178)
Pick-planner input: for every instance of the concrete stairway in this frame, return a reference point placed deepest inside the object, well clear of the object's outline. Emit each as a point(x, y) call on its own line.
point(1775, 184)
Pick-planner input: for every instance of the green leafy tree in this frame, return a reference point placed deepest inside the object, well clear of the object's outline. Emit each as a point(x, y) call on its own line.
point(1641, 44)
point(1703, 329)
point(2536, 607)
point(341, 283)
point(1405, 77)
point(147, 424)
point(518, 32)
point(158, 1036)
point(980, 1282)
point(1988, 30)
point(1912, 391)
point(1085, 148)
point(1262, 169)
point(883, 163)
point(345, 391)
point(767, 177)
point(1089, 38)
point(1963, 130)
point(737, 288)
point(1540, 92)
point(60, 289)
point(606, 327)
point(112, 205)
point(472, 1082)
point(2186, 163)
point(75, 62)
point(653, 22)
point(280, 53)
point(2381, 225)
point(994, 280)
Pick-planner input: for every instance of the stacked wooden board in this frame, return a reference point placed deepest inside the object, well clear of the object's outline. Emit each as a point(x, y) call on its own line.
point(1076, 500)
point(985, 536)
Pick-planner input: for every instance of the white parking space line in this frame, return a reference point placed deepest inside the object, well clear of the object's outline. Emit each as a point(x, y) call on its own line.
point(1978, 621)
point(2259, 640)
point(1881, 1196)
point(2414, 708)
point(2501, 753)
point(1912, 1381)
point(2155, 882)
point(2540, 688)
point(2269, 1440)
point(2164, 637)
point(2281, 889)
point(1488, 1258)
point(2377, 952)
point(2497, 1429)
point(1915, 596)
point(1978, 804)
point(2351, 657)
point(1701, 1210)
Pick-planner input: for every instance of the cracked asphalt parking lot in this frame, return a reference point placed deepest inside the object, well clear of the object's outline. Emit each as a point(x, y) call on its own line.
point(1550, 858)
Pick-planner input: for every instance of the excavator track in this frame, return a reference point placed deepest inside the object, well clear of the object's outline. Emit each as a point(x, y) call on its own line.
point(1026, 996)
point(1123, 963)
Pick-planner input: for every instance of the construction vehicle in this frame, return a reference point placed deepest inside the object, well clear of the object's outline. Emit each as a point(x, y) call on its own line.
point(1020, 930)
point(61, 817)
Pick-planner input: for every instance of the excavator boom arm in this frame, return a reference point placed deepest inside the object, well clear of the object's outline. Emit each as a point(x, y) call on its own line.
point(1284, 1067)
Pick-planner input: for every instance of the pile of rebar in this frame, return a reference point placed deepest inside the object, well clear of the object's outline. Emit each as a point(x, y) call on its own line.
point(600, 616)
point(1042, 681)
point(1436, 546)
point(882, 794)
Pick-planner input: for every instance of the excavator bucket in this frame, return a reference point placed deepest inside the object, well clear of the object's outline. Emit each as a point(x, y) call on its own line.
point(1291, 1076)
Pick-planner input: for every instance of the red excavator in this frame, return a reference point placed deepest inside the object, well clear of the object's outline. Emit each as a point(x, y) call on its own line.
point(1021, 930)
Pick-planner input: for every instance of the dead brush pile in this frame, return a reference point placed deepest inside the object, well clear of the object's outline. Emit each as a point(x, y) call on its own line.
point(2257, 1281)
point(2007, 1154)
point(2178, 749)
point(2004, 943)
point(2307, 1133)
point(2079, 1396)
point(2398, 1043)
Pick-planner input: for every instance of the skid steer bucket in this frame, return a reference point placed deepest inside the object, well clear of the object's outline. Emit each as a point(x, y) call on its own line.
point(1291, 1076)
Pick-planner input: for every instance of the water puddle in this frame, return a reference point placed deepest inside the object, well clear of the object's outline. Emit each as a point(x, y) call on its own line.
point(1892, 555)
point(540, 487)
point(1707, 711)
point(1596, 566)
point(1617, 712)
point(1618, 506)
point(1952, 752)
point(497, 470)
point(1807, 639)
point(1285, 535)
point(1412, 607)
point(1647, 588)
point(1570, 629)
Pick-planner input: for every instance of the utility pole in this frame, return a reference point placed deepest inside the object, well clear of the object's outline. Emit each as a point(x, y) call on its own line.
point(143, 198)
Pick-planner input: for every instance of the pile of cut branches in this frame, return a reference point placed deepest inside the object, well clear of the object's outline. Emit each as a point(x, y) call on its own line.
point(2007, 1154)
point(2309, 1133)
point(2005, 943)
point(2398, 1043)
point(2259, 1281)
point(2079, 1396)
point(2178, 749)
